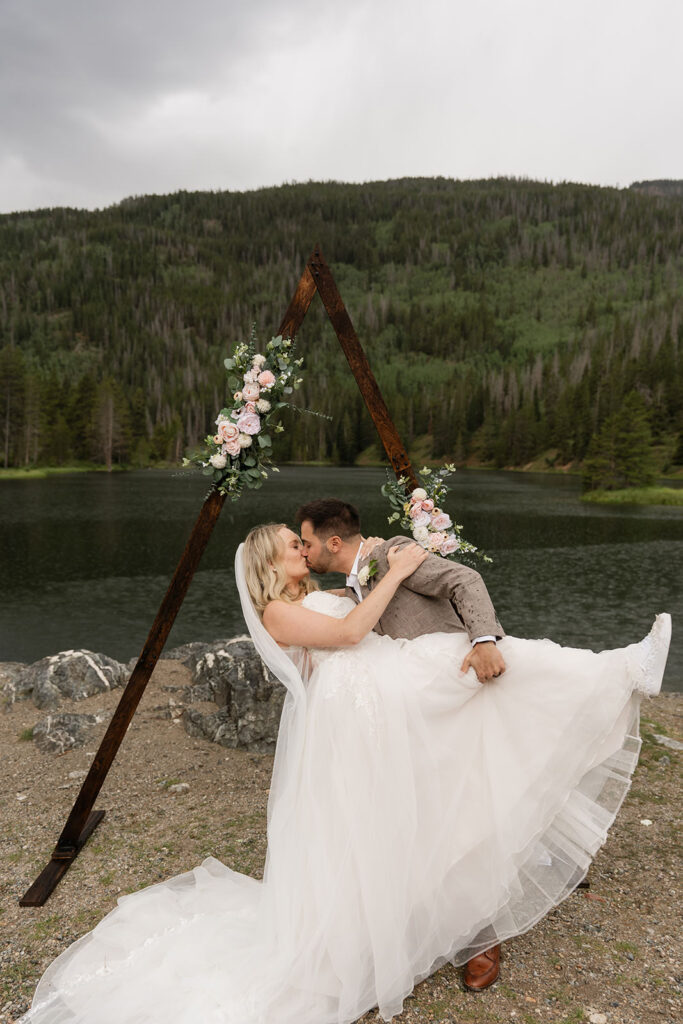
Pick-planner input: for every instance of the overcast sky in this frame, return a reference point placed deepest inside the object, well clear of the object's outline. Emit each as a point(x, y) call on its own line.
point(103, 100)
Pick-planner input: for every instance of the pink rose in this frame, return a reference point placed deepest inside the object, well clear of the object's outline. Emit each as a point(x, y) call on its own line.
point(450, 545)
point(415, 510)
point(228, 431)
point(266, 379)
point(249, 422)
point(436, 541)
point(428, 505)
point(232, 447)
point(441, 521)
point(250, 392)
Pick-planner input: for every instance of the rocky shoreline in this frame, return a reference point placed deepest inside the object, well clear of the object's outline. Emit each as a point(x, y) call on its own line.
point(191, 780)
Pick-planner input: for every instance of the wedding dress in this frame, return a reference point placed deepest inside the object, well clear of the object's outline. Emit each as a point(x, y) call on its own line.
point(415, 816)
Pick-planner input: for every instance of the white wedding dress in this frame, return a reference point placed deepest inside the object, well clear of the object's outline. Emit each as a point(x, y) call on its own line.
point(415, 816)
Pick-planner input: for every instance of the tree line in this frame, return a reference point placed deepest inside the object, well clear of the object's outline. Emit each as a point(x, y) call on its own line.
point(504, 319)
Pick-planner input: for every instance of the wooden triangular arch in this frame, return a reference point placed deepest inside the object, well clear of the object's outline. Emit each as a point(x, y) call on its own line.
point(83, 820)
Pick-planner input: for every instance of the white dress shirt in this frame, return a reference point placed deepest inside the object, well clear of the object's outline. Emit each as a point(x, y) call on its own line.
point(352, 581)
point(352, 578)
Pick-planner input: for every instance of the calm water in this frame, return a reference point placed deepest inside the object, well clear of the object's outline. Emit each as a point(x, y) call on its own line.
point(85, 560)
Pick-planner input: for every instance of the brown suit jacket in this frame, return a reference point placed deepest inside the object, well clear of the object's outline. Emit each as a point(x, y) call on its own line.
point(440, 597)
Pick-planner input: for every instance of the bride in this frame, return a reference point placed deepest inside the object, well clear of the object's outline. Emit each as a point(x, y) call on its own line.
point(416, 816)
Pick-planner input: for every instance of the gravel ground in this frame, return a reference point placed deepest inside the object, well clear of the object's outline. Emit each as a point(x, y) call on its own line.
point(605, 955)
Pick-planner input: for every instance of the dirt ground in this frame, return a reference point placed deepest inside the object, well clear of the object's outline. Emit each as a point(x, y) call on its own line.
point(608, 954)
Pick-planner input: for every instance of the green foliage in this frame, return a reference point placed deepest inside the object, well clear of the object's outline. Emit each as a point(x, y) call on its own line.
point(502, 318)
point(620, 454)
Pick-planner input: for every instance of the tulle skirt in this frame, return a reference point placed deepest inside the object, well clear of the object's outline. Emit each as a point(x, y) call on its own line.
point(422, 818)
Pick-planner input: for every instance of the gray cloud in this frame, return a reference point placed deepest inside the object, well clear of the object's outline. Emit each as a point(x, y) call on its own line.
point(100, 100)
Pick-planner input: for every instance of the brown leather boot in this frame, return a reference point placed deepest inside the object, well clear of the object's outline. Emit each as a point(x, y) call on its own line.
point(482, 970)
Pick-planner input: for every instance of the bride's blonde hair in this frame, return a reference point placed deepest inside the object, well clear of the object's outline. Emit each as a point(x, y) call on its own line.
point(263, 569)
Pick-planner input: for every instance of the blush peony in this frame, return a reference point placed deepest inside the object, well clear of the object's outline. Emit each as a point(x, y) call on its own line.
point(250, 392)
point(266, 379)
point(249, 422)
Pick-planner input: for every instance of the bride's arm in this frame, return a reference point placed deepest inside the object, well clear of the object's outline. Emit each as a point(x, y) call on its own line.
point(290, 624)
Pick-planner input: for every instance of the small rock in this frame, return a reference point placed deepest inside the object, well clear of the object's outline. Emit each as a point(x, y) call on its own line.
point(666, 741)
point(664, 759)
point(597, 1018)
point(630, 956)
point(179, 787)
point(645, 821)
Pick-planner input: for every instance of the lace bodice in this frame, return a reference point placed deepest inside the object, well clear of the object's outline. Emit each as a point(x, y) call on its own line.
point(328, 604)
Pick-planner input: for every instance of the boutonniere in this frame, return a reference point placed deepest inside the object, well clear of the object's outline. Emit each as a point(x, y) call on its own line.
point(367, 572)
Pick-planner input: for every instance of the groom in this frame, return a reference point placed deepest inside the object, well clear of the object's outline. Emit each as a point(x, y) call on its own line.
point(440, 597)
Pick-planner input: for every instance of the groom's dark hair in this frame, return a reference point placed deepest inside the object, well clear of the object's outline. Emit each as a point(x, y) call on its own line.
point(331, 517)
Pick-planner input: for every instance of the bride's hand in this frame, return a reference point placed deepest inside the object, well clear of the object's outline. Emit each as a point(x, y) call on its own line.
point(369, 545)
point(404, 559)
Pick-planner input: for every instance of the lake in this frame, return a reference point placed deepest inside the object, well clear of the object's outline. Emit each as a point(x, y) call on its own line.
point(86, 558)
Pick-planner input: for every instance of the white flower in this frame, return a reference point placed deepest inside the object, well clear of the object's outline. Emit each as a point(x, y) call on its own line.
point(419, 494)
point(237, 396)
point(245, 440)
point(421, 535)
point(263, 405)
point(218, 461)
point(363, 575)
point(259, 360)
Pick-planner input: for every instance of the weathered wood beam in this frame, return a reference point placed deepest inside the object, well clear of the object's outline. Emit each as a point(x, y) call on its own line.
point(360, 367)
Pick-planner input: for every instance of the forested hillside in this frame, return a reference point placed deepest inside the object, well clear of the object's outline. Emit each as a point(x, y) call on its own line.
point(503, 319)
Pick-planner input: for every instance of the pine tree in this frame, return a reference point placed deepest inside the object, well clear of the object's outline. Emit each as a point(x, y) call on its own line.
point(620, 454)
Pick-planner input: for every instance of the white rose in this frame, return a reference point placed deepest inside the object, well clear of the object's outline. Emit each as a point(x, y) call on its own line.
point(364, 575)
point(218, 461)
point(259, 360)
point(419, 494)
point(263, 405)
point(250, 391)
point(245, 440)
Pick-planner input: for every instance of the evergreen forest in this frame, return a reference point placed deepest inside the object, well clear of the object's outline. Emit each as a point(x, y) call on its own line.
point(508, 322)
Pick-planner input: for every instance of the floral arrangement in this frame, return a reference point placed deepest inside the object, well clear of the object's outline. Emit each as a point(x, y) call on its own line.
point(236, 456)
point(422, 513)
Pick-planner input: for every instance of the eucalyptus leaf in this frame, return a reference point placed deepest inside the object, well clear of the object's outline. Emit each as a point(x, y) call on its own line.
point(228, 364)
point(264, 440)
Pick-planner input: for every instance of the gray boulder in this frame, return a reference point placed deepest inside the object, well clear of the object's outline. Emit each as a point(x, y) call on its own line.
point(10, 673)
point(58, 733)
point(248, 697)
point(69, 675)
point(191, 654)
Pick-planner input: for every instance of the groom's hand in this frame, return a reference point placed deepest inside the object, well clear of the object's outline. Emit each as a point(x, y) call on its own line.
point(486, 660)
